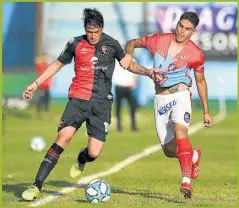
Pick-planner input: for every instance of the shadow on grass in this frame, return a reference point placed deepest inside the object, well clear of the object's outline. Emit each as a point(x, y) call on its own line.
point(81, 201)
point(17, 189)
point(148, 194)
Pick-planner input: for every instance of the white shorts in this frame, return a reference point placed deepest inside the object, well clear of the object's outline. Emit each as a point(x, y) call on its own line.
point(170, 109)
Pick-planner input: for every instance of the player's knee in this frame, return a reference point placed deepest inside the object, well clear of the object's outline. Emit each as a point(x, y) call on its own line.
point(65, 135)
point(169, 151)
point(94, 147)
point(181, 131)
point(63, 141)
point(93, 154)
point(169, 154)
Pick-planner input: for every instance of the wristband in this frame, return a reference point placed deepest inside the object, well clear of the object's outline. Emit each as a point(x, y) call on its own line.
point(37, 84)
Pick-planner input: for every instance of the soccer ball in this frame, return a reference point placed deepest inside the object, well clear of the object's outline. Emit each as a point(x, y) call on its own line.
point(37, 144)
point(97, 191)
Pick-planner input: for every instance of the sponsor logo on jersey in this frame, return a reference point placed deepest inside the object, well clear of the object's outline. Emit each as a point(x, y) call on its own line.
point(167, 107)
point(104, 50)
point(109, 96)
point(187, 117)
point(83, 50)
point(172, 67)
point(102, 68)
point(94, 60)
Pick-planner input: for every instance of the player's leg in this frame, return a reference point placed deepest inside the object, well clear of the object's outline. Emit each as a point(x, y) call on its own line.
point(170, 148)
point(87, 154)
point(53, 154)
point(164, 125)
point(181, 115)
point(97, 128)
point(50, 160)
point(184, 155)
point(184, 118)
point(68, 125)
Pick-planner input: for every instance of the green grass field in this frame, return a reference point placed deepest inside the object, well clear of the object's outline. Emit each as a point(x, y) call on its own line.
point(153, 180)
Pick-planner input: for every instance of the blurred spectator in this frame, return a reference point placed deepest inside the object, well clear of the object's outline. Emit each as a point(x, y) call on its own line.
point(125, 82)
point(43, 101)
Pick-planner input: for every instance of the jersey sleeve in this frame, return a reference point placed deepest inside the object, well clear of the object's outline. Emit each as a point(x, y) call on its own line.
point(198, 65)
point(119, 52)
point(67, 54)
point(150, 42)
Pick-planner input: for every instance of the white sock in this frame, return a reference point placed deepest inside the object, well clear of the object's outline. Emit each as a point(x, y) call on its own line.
point(186, 180)
point(195, 156)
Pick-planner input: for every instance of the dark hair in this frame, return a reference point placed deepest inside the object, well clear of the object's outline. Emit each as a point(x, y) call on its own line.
point(93, 17)
point(192, 17)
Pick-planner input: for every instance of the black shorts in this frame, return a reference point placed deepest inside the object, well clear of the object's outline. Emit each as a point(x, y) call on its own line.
point(97, 115)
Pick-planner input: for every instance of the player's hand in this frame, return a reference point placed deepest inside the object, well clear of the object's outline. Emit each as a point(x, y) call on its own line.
point(126, 61)
point(208, 120)
point(28, 92)
point(157, 76)
point(153, 72)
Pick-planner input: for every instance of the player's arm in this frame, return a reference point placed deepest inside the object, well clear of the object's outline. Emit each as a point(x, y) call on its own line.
point(202, 90)
point(138, 69)
point(129, 49)
point(126, 60)
point(134, 43)
point(203, 94)
point(143, 42)
point(51, 70)
point(64, 58)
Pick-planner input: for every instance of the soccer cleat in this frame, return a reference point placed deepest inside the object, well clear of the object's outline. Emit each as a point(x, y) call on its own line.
point(31, 193)
point(76, 170)
point(186, 189)
point(195, 166)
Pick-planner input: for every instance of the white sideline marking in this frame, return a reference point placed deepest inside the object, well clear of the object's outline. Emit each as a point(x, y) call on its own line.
point(146, 152)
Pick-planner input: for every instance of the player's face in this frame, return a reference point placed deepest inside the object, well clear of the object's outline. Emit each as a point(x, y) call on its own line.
point(93, 34)
point(184, 30)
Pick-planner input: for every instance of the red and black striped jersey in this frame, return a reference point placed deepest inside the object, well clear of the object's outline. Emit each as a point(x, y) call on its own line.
point(93, 65)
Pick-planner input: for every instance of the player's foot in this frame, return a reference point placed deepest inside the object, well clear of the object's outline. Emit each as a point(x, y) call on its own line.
point(186, 189)
point(76, 170)
point(195, 165)
point(31, 193)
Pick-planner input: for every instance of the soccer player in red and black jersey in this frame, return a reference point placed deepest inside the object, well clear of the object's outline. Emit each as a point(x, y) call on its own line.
point(174, 56)
point(90, 97)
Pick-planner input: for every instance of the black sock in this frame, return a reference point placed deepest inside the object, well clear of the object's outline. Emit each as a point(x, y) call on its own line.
point(84, 157)
point(49, 162)
point(38, 184)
